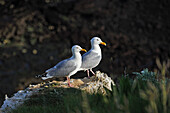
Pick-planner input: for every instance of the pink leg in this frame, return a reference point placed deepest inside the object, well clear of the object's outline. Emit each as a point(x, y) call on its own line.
point(68, 80)
point(88, 74)
point(92, 71)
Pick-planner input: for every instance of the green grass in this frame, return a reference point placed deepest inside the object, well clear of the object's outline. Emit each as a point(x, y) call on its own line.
point(144, 94)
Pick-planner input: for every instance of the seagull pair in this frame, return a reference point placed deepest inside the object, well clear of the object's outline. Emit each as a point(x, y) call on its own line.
point(70, 66)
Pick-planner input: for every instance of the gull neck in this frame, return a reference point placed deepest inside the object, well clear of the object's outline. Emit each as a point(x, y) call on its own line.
point(76, 55)
point(96, 47)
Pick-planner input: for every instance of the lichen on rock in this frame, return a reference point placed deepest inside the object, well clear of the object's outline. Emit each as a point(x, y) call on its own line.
point(17, 100)
point(98, 83)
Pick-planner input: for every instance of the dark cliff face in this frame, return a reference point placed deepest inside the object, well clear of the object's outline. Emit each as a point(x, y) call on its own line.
point(35, 35)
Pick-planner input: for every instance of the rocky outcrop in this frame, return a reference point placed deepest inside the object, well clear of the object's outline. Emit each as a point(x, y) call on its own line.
point(96, 84)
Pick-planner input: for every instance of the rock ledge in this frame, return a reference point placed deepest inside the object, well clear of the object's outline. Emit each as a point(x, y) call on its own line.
point(96, 84)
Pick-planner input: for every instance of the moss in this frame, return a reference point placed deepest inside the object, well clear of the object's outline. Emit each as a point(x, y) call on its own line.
point(49, 100)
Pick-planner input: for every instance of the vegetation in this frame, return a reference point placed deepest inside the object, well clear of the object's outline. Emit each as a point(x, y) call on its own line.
point(146, 93)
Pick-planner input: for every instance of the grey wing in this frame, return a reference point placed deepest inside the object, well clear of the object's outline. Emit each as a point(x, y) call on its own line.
point(90, 59)
point(63, 68)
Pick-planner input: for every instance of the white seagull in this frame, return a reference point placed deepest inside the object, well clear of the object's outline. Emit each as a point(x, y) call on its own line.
point(67, 67)
point(93, 57)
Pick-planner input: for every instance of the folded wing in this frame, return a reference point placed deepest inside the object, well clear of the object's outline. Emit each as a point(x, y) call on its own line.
point(63, 68)
point(90, 59)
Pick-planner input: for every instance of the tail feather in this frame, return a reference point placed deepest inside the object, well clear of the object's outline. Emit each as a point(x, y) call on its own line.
point(42, 75)
point(44, 78)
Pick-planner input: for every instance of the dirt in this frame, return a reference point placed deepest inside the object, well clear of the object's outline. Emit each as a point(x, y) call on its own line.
point(35, 35)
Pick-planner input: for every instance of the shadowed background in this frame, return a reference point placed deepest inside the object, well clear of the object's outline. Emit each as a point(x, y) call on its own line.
point(36, 34)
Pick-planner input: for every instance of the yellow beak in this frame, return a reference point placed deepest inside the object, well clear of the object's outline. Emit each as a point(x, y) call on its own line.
point(103, 43)
point(83, 50)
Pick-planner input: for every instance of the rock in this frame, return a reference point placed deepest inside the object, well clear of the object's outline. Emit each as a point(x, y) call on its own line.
point(96, 84)
point(16, 100)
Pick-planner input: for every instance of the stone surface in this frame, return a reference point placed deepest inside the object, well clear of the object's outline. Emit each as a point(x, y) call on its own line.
point(96, 84)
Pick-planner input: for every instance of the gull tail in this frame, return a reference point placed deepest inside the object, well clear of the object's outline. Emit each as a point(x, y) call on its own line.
point(44, 76)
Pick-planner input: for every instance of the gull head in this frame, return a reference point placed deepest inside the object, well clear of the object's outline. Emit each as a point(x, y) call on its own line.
point(77, 48)
point(97, 40)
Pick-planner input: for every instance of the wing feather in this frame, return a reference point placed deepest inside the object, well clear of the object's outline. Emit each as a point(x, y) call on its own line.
point(90, 60)
point(63, 68)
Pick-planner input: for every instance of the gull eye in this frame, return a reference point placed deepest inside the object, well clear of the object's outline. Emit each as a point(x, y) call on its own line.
point(97, 39)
